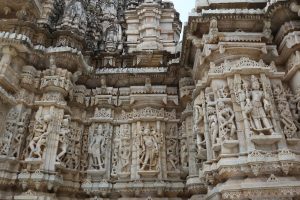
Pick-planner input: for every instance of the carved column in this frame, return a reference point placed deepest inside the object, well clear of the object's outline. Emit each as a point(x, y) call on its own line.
point(194, 184)
point(135, 150)
point(47, 140)
point(15, 111)
point(188, 125)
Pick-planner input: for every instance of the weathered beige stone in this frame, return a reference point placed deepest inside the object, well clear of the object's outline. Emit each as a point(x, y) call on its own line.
point(97, 103)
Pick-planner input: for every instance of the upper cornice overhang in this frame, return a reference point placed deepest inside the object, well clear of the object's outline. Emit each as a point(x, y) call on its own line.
point(218, 53)
point(278, 12)
point(10, 24)
point(200, 4)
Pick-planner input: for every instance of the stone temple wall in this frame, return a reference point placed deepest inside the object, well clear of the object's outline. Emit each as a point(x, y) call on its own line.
point(100, 100)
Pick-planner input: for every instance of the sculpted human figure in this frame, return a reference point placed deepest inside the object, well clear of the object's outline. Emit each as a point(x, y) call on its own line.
point(226, 121)
point(286, 117)
point(95, 148)
point(63, 139)
point(124, 154)
point(113, 38)
point(172, 156)
point(17, 140)
point(224, 92)
point(213, 27)
point(149, 156)
point(257, 107)
point(284, 108)
point(124, 149)
point(116, 151)
point(213, 124)
point(294, 101)
point(183, 153)
point(76, 155)
point(40, 134)
point(198, 118)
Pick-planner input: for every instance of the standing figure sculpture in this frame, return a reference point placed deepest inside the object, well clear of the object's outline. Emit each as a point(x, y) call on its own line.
point(286, 117)
point(288, 122)
point(226, 121)
point(257, 107)
point(96, 157)
point(40, 133)
point(113, 38)
point(17, 141)
point(294, 101)
point(172, 154)
point(63, 139)
point(198, 118)
point(149, 150)
point(213, 124)
point(183, 153)
point(124, 150)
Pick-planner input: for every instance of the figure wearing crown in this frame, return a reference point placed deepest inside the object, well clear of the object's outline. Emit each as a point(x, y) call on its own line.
point(257, 107)
point(149, 156)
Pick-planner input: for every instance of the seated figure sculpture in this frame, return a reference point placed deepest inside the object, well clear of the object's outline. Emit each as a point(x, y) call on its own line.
point(113, 38)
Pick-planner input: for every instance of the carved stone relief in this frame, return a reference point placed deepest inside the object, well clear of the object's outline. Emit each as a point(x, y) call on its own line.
point(99, 99)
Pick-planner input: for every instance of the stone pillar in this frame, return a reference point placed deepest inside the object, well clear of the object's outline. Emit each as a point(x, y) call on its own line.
point(187, 118)
point(48, 136)
point(136, 127)
point(191, 144)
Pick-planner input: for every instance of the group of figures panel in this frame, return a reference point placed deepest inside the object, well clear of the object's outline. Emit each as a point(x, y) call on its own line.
point(256, 106)
point(143, 148)
point(150, 147)
point(27, 135)
point(15, 125)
